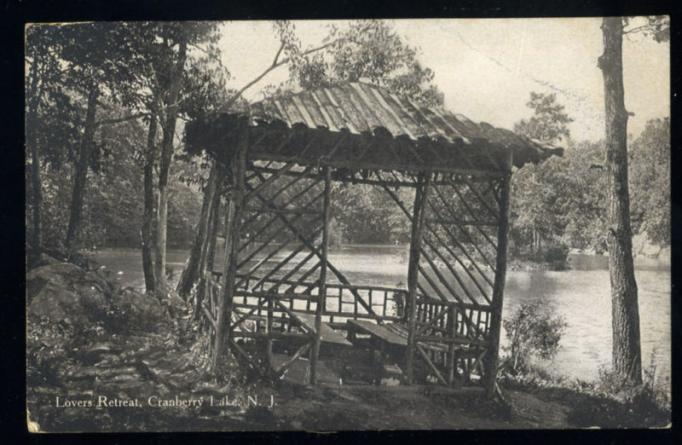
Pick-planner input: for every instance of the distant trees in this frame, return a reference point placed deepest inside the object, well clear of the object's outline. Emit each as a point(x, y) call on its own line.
point(539, 197)
point(549, 122)
point(649, 160)
point(563, 200)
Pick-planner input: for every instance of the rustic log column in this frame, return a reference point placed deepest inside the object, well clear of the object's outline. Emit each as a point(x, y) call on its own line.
point(492, 356)
point(322, 293)
point(232, 229)
point(452, 350)
point(420, 198)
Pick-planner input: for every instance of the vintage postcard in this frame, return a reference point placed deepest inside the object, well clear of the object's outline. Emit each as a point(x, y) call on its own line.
point(348, 225)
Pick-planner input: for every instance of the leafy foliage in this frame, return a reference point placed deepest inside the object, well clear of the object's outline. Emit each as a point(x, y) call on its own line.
point(367, 50)
point(533, 330)
point(650, 171)
point(366, 214)
point(549, 121)
point(562, 201)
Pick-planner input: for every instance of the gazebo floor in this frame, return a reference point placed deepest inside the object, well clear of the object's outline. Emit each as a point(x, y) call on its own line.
point(344, 366)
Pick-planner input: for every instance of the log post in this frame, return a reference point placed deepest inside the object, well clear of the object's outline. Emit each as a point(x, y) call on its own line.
point(322, 293)
point(500, 277)
point(452, 350)
point(420, 198)
point(232, 229)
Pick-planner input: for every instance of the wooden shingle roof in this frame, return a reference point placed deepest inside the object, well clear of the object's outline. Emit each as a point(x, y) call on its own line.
point(358, 125)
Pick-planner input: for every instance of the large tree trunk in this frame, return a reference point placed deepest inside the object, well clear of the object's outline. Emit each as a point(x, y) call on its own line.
point(164, 167)
point(627, 362)
point(148, 217)
point(191, 273)
point(81, 170)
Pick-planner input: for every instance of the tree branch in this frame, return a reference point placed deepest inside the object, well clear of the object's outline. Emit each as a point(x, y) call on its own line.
point(637, 29)
point(279, 51)
point(275, 64)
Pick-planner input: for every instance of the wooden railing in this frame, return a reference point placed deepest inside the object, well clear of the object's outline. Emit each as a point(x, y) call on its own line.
point(343, 302)
point(448, 334)
point(378, 303)
point(470, 321)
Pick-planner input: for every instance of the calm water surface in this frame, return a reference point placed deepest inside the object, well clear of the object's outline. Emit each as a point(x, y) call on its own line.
point(581, 295)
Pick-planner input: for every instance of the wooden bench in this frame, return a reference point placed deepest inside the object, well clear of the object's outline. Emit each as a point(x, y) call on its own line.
point(392, 337)
point(327, 334)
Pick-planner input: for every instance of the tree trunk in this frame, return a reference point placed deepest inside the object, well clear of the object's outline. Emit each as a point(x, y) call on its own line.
point(36, 184)
point(81, 170)
point(191, 273)
point(213, 233)
point(164, 167)
point(627, 362)
point(208, 254)
point(207, 247)
point(148, 217)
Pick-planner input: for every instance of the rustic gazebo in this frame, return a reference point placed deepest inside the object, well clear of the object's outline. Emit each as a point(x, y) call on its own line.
point(281, 157)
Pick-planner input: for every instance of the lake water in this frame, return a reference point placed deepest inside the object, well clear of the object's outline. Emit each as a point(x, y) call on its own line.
point(581, 295)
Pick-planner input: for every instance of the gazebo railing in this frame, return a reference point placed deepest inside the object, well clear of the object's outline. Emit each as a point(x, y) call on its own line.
point(382, 304)
point(378, 303)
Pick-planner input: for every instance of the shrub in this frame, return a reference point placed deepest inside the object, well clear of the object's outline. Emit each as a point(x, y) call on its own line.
point(533, 330)
point(556, 253)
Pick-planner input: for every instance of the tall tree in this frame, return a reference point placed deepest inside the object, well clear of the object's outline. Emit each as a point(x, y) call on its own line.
point(37, 54)
point(627, 361)
point(97, 63)
point(549, 122)
point(173, 75)
point(147, 232)
point(52, 123)
point(533, 195)
point(166, 157)
point(626, 353)
point(369, 51)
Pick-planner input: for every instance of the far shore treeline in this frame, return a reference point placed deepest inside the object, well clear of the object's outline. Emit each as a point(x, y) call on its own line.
point(95, 90)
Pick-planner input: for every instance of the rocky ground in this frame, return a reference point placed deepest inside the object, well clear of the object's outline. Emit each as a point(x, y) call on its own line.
point(94, 347)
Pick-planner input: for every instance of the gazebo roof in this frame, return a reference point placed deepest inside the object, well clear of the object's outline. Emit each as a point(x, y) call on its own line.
point(361, 126)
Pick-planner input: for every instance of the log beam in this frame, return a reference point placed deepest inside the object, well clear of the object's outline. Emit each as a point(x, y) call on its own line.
point(490, 376)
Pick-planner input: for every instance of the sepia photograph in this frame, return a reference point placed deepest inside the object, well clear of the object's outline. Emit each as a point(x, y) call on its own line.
point(348, 225)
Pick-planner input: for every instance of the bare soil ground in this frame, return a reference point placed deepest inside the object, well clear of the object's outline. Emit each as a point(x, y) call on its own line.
point(127, 367)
